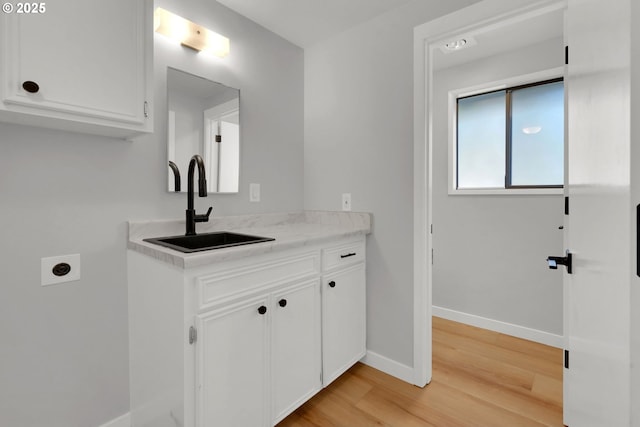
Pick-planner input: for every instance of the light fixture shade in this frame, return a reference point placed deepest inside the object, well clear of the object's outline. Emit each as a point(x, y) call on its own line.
point(531, 130)
point(189, 34)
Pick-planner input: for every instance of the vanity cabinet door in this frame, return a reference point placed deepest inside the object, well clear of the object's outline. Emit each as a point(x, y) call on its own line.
point(232, 365)
point(343, 320)
point(296, 353)
point(81, 65)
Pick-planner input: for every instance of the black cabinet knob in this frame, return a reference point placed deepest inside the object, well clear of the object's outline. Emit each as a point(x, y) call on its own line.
point(262, 309)
point(332, 284)
point(31, 87)
point(282, 302)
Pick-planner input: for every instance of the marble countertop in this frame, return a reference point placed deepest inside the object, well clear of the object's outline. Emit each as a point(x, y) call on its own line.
point(290, 230)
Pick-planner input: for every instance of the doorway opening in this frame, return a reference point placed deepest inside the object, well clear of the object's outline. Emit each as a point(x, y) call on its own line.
point(476, 274)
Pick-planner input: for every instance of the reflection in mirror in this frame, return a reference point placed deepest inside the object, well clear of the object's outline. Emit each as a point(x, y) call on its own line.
point(203, 118)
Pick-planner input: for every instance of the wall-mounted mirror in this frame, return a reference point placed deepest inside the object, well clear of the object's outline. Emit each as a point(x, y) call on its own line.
point(203, 118)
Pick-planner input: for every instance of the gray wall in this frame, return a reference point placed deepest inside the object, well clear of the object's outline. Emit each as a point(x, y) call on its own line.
point(64, 348)
point(188, 132)
point(490, 251)
point(359, 140)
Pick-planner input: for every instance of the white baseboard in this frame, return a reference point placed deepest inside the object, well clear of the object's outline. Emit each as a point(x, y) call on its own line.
point(523, 332)
point(122, 421)
point(388, 366)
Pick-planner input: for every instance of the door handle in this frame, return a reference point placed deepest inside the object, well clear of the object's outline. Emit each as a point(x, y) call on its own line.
point(567, 261)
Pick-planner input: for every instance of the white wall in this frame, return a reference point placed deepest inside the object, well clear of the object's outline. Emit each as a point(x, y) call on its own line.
point(635, 197)
point(64, 348)
point(490, 251)
point(359, 139)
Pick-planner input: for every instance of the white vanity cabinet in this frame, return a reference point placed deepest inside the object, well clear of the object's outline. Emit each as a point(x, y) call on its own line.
point(79, 65)
point(232, 353)
point(243, 342)
point(343, 308)
point(296, 347)
point(258, 359)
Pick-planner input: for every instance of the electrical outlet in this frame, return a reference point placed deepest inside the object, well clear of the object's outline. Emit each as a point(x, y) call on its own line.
point(59, 269)
point(346, 201)
point(254, 192)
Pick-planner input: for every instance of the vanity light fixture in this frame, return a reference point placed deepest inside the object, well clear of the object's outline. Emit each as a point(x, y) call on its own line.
point(189, 34)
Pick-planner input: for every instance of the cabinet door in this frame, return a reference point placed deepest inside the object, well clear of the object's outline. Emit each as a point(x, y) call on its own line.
point(295, 347)
point(89, 59)
point(232, 366)
point(343, 321)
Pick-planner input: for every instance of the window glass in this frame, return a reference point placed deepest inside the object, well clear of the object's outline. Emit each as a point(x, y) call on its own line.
point(481, 141)
point(512, 138)
point(537, 135)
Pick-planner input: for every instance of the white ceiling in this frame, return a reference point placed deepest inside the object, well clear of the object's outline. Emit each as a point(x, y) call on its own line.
point(306, 22)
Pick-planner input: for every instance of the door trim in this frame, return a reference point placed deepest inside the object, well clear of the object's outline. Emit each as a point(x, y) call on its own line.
point(486, 14)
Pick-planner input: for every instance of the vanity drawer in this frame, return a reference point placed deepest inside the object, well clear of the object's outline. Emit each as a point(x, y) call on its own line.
point(239, 281)
point(343, 255)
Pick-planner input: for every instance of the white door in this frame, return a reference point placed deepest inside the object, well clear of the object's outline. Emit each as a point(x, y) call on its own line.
point(232, 365)
point(598, 233)
point(343, 321)
point(296, 347)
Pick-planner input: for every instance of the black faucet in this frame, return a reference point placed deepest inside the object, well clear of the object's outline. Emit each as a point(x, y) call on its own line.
point(192, 217)
point(176, 176)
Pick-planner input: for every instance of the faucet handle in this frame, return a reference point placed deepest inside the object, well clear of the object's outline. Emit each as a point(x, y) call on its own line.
point(204, 217)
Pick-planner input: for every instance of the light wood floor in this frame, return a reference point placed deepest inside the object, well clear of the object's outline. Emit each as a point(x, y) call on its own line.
point(480, 379)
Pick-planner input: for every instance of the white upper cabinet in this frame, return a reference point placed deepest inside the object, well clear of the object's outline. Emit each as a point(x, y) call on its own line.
point(78, 65)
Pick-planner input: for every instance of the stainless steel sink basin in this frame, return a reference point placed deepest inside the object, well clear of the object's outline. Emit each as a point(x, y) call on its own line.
point(207, 241)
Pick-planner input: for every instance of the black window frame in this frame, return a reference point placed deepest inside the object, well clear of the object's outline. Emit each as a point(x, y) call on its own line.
point(508, 134)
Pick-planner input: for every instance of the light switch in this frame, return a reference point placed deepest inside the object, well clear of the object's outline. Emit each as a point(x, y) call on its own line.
point(346, 201)
point(254, 192)
point(60, 269)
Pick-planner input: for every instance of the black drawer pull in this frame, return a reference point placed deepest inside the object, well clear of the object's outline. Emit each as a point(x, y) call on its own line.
point(332, 284)
point(262, 309)
point(282, 302)
point(348, 255)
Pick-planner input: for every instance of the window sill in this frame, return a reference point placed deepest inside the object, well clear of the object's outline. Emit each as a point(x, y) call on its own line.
point(507, 192)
